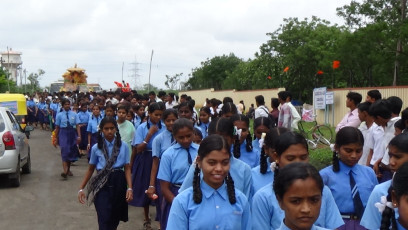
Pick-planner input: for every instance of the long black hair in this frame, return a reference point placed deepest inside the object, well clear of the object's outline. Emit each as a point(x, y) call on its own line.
point(105, 121)
point(237, 144)
point(209, 144)
point(345, 136)
point(270, 141)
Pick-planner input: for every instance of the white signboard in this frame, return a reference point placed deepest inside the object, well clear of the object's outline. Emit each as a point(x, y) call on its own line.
point(319, 98)
point(329, 98)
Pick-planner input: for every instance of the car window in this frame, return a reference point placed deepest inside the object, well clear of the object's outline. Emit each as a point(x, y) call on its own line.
point(15, 124)
point(2, 125)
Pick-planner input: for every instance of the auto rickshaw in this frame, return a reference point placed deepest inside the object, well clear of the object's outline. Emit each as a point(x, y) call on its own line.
point(17, 104)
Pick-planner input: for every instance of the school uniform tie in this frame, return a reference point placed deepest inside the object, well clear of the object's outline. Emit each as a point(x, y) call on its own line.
point(358, 204)
point(190, 161)
point(172, 140)
point(68, 124)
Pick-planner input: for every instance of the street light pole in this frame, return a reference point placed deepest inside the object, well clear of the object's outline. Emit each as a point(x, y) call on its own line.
point(8, 72)
point(150, 71)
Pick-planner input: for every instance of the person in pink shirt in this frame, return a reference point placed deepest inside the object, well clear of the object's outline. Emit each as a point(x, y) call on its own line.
point(351, 118)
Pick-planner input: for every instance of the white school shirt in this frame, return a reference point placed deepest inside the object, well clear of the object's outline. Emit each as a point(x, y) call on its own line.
point(367, 134)
point(376, 144)
point(390, 128)
point(261, 111)
point(295, 116)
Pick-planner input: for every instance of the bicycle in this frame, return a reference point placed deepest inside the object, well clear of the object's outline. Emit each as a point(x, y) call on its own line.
point(320, 134)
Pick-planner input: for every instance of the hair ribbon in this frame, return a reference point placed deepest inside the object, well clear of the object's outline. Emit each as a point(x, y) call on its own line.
point(262, 140)
point(383, 204)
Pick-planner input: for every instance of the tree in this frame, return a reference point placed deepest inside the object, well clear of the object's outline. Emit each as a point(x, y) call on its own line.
point(171, 82)
point(34, 79)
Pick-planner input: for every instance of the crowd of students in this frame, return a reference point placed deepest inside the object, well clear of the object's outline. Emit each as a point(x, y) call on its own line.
point(209, 169)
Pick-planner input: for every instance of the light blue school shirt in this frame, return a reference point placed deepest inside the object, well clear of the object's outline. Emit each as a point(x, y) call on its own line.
point(255, 145)
point(141, 133)
point(314, 227)
point(240, 173)
point(98, 159)
point(251, 158)
point(214, 212)
point(266, 212)
point(42, 106)
point(259, 180)
point(55, 107)
point(161, 143)
point(82, 117)
point(62, 121)
point(372, 217)
point(174, 163)
point(339, 184)
point(204, 129)
point(137, 121)
point(93, 123)
point(31, 104)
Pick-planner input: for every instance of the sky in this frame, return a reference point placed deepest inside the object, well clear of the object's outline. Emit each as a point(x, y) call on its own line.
point(102, 36)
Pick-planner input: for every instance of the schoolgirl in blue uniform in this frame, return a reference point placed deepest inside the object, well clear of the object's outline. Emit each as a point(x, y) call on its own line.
point(204, 121)
point(350, 182)
point(55, 107)
point(395, 209)
point(175, 163)
point(240, 171)
point(261, 125)
point(298, 189)
point(110, 110)
point(67, 137)
point(82, 119)
point(243, 148)
point(31, 111)
point(42, 114)
point(111, 188)
point(92, 127)
point(228, 110)
point(262, 174)
point(142, 159)
point(212, 202)
point(398, 152)
point(290, 147)
point(139, 111)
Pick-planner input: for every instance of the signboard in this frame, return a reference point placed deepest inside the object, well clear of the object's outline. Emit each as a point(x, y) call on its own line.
point(12, 105)
point(329, 98)
point(319, 98)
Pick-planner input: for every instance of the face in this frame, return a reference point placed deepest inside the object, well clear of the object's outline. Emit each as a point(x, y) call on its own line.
point(109, 131)
point(109, 112)
point(155, 116)
point(169, 121)
point(397, 131)
point(185, 112)
point(380, 121)
point(370, 99)
point(197, 139)
point(397, 158)
point(301, 204)
point(121, 114)
point(96, 111)
point(349, 103)
point(129, 116)
point(67, 106)
point(350, 154)
point(140, 111)
point(184, 137)
point(204, 117)
point(242, 125)
point(295, 153)
point(402, 205)
point(133, 101)
point(215, 166)
point(362, 115)
point(259, 130)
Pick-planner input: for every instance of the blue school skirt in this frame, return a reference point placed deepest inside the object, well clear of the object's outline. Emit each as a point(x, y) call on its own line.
point(141, 169)
point(31, 116)
point(67, 142)
point(165, 206)
point(84, 137)
point(110, 201)
point(40, 117)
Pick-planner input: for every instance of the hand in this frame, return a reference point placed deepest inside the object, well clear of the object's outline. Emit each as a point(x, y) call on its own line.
point(153, 129)
point(150, 192)
point(55, 143)
point(88, 147)
point(78, 140)
point(81, 197)
point(129, 195)
point(376, 169)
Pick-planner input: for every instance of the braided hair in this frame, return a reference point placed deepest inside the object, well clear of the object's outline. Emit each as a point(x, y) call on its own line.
point(222, 126)
point(206, 110)
point(284, 141)
point(105, 121)
point(237, 144)
point(209, 144)
point(270, 142)
point(228, 108)
point(153, 107)
point(345, 136)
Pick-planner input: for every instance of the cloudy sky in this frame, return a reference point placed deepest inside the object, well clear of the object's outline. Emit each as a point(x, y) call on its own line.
point(100, 35)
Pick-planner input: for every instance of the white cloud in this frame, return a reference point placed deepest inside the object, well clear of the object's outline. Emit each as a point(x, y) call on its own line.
point(100, 35)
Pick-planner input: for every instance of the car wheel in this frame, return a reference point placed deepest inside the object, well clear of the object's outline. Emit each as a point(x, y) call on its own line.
point(16, 177)
point(27, 167)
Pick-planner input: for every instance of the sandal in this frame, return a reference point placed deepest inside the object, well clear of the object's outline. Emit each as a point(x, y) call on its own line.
point(64, 175)
point(147, 225)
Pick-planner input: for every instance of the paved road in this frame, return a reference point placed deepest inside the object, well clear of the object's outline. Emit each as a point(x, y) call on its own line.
point(45, 201)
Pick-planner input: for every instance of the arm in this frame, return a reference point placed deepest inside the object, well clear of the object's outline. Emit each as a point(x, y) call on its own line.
point(128, 175)
point(56, 135)
point(89, 141)
point(153, 173)
point(78, 128)
point(165, 189)
point(370, 155)
point(88, 174)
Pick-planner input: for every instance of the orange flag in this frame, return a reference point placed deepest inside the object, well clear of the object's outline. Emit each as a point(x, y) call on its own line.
point(269, 77)
point(336, 64)
point(286, 69)
point(320, 72)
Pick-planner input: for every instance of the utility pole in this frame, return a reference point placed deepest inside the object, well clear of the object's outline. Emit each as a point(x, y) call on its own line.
point(123, 63)
point(150, 71)
point(25, 80)
point(135, 72)
point(8, 72)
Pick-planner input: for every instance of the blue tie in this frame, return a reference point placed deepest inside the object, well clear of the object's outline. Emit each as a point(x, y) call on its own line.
point(358, 204)
point(68, 124)
point(190, 161)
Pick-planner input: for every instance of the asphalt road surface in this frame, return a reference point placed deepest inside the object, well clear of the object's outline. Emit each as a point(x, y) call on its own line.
point(45, 201)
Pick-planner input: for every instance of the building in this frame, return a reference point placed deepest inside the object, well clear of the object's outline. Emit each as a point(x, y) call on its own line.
point(11, 61)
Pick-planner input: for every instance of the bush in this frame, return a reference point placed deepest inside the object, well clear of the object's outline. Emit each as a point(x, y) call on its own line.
point(321, 157)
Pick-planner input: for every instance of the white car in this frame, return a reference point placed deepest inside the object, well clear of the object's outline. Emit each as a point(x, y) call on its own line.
point(14, 147)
